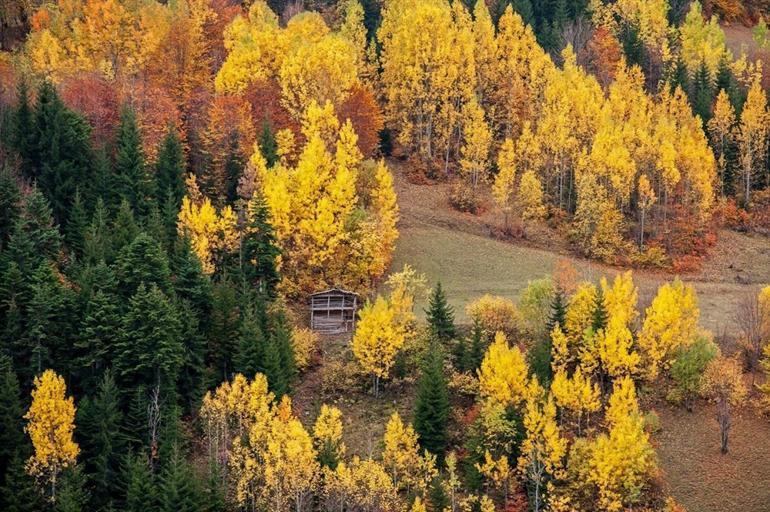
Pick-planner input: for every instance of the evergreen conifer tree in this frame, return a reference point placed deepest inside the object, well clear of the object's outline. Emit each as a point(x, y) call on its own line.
point(11, 413)
point(22, 132)
point(72, 496)
point(251, 354)
point(600, 311)
point(170, 169)
point(259, 249)
point(19, 492)
point(477, 347)
point(267, 144)
point(179, 489)
point(440, 315)
point(150, 350)
point(124, 227)
point(143, 261)
point(141, 491)
point(10, 204)
point(99, 420)
point(62, 157)
point(97, 339)
point(432, 404)
point(133, 182)
point(702, 93)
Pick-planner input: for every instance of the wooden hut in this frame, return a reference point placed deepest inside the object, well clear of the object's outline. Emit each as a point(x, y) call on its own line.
point(333, 311)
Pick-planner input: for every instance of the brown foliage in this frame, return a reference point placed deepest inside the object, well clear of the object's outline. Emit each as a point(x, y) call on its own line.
point(263, 98)
point(364, 113)
point(601, 56)
point(155, 110)
point(95, 98)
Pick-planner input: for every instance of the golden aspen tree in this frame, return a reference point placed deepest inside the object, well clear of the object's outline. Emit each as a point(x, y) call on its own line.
point(647, 199)
point(722, 133)
point(405, 286)
point(530, 197)
point(670, 323)
point(377, 340)
point(401, 457)
point(580, 312)
point(597, 223)
point(485, 50)
point(322, 71)
point(543, 449)
point(621, 297)
point(290, 466)
point(477, 139)
point(503, 374)
point(702, 41)
point(327, 435)
point(622, 460)
point(503, 186)
point(353, 29)
point(752, 138)
point(562, 354)
point(723, 383)
point(50, 425)
point(411, 34)
point(212, 234)
point(498, 473)
point(361, 485)
point(577, 395)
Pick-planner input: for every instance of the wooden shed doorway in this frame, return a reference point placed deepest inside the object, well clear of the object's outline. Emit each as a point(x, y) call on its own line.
point(333, 311)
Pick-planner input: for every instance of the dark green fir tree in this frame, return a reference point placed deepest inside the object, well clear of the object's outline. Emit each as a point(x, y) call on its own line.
point(440, 315)
point(432, 404)
point(133, 183)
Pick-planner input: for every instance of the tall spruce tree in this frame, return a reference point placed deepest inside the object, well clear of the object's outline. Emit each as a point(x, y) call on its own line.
point(599, 320)
point(98, 337)
point(140, 489)
point(170, 169)
point(252, 348)
point(98, 421)
point(180, 489)
point(267, 144)
point(133, 182)
point(62, 158)
point(259, 251)
point(440, 315)
point(10, 204)
point(702, 93)
point(73, 495)
point(22, 133)
point(11, 413)
point(150, 350)
point(432, 405)
point(19, 492)
point(143, 261)
point(34, 236)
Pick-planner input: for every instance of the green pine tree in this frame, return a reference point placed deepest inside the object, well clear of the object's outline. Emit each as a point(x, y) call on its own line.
point(97, 339)
point(97, 242)
point(98, 433)
point(599, 321)
point(124, 227)
point(72, 496)
point(558, 310)
point(477, 347)
point(11, 413)
point(223, 329)
point(133, 182)
point(267, 144)
point(190, 283)
point(725, 79)
point(440, 315)
point(62, 157)
point(250, 357)
point(22, 133)
point(19, 492)
point(34, 236)
point(140, 488)
point(259, 250)
point(10, 204)
point(432, 404)
point(76, 227)
point(702, 93)
point(170, 169)
point(180, 489)
point(143, 261)
point(150, 350)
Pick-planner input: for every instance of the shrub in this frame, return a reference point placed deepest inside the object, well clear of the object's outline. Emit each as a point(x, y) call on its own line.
point(463, 198)
point(687, 371)
point(652, 422)
point(304, 342)
point(494, 313)
point(653, 257)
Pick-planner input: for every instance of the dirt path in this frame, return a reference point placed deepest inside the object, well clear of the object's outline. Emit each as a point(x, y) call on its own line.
point(459, 250)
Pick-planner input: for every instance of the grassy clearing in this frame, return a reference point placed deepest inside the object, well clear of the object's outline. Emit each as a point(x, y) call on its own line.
point(699, 476)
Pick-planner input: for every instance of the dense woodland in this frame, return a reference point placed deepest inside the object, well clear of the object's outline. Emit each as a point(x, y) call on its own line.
point(177, 177)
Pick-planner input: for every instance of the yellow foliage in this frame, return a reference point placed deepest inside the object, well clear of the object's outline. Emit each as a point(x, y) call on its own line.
point(495, 314)
point(212, 235)
point(477, 138)
point(530, 197)
point(360, 485)
point(378, 338)
point(401, 457)
point(580, 312)
point(50, 425)
point(702, 41)
point(503, 374)
point(304, 343)
point(327, 431)
point(670, 323)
